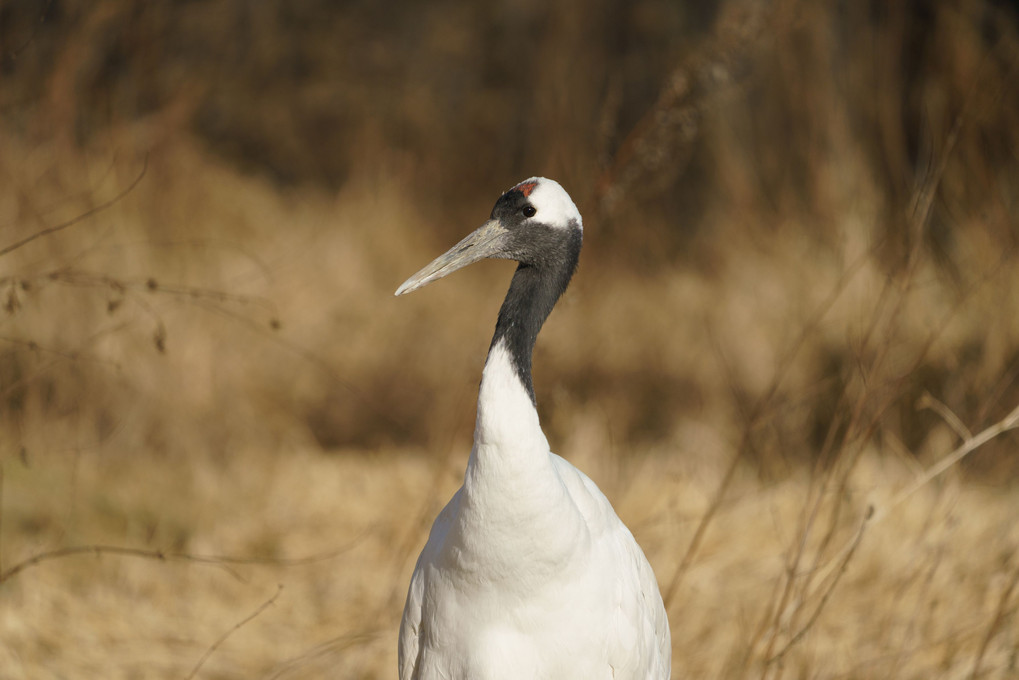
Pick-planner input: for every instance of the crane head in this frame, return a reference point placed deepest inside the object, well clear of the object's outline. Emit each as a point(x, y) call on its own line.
point(527, 224)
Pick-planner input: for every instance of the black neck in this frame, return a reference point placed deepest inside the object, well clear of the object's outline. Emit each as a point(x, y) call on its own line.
point(533, 293)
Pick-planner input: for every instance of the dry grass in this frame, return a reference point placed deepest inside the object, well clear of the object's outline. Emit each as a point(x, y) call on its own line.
point(928, 588)
point(222, 440)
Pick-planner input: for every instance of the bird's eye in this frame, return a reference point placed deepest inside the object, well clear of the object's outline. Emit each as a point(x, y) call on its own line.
point(529, 211)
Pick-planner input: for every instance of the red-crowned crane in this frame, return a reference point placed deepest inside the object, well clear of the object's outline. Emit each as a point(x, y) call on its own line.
point(528, 573)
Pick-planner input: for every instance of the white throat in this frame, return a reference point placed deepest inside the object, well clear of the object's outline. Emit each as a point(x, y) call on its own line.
point(506, 417)
point(510, 455)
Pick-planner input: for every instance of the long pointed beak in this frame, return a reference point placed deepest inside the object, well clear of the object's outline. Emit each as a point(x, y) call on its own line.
point(485, 241)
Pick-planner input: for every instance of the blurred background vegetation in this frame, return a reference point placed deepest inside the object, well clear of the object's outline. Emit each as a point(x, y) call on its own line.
point(693, 135)
point(801, 217)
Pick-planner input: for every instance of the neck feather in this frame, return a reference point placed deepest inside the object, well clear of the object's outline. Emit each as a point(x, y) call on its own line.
point(533, 293)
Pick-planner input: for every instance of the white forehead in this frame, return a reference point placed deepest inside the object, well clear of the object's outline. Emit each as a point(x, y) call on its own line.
point(554, 206)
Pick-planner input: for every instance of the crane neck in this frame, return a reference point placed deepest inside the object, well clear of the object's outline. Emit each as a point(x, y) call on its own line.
point(532, 294)
point(510, 457)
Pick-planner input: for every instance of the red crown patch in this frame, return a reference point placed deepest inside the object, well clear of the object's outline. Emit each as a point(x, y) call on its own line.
point(526, 188)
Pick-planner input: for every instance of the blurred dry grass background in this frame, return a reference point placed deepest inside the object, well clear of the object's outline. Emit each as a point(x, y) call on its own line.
point(794, 318)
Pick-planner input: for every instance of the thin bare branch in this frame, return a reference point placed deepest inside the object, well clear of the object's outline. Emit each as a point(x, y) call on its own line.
point(73, 355)
point(83, 216)
point(325, 650)
point(1009, 422)
point(702, 528)
point(828, 591)
point(13, 55)
point(237, 626)
point(999, 616)
point(218, 560)
point(77, 277)
point(927, 401)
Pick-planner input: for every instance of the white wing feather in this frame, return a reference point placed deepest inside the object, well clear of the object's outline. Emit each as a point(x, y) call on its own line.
point(608, 621)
